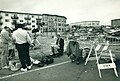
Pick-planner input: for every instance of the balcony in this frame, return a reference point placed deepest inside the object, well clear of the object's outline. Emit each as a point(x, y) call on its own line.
point(13, 22)
point(27, 18)
point(28, 23)
point(40, 23)
point(39, 19)
point(1, 22)
point(14, 17)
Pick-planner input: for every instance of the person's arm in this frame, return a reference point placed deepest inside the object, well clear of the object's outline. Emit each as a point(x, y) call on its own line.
point(7, 36)
point(13, 38)
point(29, 39)
point(68, 51)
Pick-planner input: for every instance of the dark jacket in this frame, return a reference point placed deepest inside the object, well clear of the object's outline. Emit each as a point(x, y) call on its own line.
point(60, 42)
point(73, 48)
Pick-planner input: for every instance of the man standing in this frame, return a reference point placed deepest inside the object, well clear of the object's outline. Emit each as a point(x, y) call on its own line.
point(60, 43)
point(23, 41)
point(5, 39)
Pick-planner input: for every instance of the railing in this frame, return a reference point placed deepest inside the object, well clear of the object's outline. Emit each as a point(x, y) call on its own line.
point(101, 39)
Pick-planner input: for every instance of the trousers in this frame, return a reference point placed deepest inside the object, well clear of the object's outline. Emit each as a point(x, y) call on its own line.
point(23, 53)
point(4, 54)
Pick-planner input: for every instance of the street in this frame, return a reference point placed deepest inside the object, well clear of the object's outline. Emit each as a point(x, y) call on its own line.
point(62, 70)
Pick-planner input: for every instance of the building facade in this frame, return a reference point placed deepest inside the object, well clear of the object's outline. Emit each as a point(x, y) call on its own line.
point(45, 22)
point(86, 23)
point(115, 23)
point(54, 23)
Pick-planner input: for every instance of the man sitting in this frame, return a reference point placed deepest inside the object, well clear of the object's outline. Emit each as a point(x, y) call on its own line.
point(58, 48)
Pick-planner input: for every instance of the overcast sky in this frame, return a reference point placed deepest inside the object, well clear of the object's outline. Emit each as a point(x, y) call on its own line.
point(75, 10)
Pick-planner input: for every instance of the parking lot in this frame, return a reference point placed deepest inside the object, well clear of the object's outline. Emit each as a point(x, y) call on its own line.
point(62, 69)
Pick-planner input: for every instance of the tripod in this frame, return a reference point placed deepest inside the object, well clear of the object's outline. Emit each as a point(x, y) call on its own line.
point(35, 41)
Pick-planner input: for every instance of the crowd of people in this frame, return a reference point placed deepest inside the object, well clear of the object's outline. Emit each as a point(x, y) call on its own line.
point(22, 41)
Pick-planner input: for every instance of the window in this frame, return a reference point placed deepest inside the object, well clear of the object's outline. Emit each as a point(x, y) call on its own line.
point(93, 23)
point(89, 24)
point(59, 24)
point(0, 17)
point(33, 21)
point(46, 24)
point(21, 20)
point(59, 28)
point(97, 23)
point(33, 26)
point(55, 19)
point(32, 16)
point(51, 19)
point(6, 20)
point(1, 22)
point(6, 14)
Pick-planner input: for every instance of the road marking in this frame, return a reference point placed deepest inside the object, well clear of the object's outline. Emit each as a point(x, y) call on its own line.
point(34, 70)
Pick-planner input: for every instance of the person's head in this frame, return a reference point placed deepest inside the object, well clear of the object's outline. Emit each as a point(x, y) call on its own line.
point(8, 28)
point(72, 38)
point(19, 26)
point(58, 35)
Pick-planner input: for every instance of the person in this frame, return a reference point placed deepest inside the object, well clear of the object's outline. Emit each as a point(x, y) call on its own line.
point(73, 50)
point(58, 47)
point(23, 41)
point(60, 44)
point(5, 40)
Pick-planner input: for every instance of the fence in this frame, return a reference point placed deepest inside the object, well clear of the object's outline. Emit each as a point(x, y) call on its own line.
point(112, 40)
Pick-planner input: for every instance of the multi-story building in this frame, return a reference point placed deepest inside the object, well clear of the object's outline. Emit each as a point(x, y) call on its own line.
point(115, 23)
point(52, 23)
point(86, 23)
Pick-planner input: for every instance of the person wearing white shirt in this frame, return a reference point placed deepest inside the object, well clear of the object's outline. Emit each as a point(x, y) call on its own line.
point(22, 41)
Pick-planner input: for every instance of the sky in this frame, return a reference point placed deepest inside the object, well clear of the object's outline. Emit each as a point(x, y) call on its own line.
point(75, 10)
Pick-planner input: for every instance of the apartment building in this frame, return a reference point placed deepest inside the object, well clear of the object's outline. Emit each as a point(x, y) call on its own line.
point(45, 22)
point(86, 23)
point(115, 23)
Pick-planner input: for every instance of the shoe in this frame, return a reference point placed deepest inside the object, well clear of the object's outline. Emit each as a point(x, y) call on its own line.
point(51, 54)
point(72, 61)
point(77, 63)
point(29, 67)
point(5, 67)
point(24, 70)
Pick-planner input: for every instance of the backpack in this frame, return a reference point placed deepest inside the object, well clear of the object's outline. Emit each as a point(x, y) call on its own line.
point(47, 59)
point(14, 66)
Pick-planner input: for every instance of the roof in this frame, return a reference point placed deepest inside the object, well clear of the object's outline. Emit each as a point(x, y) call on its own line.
point(31, 13)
